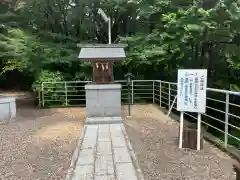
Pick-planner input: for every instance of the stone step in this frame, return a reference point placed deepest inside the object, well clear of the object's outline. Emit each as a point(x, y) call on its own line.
point(103, 120)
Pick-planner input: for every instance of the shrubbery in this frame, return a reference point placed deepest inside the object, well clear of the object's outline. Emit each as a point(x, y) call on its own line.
point(53, 92)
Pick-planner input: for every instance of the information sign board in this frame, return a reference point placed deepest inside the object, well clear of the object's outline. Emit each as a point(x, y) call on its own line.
point(191, 90)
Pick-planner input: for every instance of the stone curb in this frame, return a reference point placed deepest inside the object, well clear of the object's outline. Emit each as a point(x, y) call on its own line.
point(75, 155)
point(96, 122)
point(132, 153)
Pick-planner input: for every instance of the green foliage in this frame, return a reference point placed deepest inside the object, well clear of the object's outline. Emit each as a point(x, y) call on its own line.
point(30, 54)
point(53, 92)
point(48, 76)
point(189, 37)
point(163, 35)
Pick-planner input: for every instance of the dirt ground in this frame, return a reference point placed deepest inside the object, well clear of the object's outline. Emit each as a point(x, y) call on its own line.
point(154, 138)
point(39, 144)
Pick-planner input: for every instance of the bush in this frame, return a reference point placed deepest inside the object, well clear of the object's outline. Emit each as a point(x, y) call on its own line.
point(51, 88)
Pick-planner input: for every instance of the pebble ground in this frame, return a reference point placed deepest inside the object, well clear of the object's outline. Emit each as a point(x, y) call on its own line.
point(154, 139)
point(39, 144)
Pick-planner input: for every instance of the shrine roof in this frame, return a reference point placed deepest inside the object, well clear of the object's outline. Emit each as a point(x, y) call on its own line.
point(99, 52)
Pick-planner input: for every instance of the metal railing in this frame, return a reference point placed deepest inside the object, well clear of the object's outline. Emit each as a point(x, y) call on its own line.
point(72, 93)
point(222, 117)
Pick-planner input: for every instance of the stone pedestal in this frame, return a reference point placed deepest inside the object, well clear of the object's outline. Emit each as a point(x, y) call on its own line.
point(7, 108)
point(103, 100)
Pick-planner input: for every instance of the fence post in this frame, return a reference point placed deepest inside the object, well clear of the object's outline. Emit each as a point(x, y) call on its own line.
point(153, 91)
point(43, 103)
point(39, 98)
point(160, 94)
point(132, 92)
point(66, 99)
point(169, 96)
point(226, 120)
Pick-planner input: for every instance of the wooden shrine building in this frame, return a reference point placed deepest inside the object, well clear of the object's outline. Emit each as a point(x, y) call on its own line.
point(102, 57)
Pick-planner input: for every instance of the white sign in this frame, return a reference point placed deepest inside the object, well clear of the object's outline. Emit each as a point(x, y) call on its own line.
point(191, 93)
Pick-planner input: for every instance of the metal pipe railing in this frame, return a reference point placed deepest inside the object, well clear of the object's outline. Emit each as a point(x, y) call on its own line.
point(223, 114)
point(72, 93)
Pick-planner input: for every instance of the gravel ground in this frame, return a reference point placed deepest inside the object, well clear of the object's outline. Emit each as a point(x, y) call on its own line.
point(39, 144)
point(154, 139)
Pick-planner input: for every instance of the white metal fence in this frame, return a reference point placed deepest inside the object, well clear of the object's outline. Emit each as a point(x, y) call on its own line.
point(72, 93)
point(222, 117)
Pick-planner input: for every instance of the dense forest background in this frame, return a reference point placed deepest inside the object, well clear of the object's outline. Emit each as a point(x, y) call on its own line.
point(38, 39)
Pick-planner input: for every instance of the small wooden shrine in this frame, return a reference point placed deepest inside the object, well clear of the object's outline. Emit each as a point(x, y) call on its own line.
point(102, 56)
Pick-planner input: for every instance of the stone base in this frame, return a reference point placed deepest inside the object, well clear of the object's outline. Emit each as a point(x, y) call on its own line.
point(104, 120)
point(7, 108)
point(103, 100)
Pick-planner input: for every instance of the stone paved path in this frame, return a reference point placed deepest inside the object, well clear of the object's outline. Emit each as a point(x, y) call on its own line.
point(106, 154)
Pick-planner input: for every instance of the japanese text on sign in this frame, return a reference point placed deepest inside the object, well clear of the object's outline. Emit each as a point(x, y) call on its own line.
point(192, 84)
